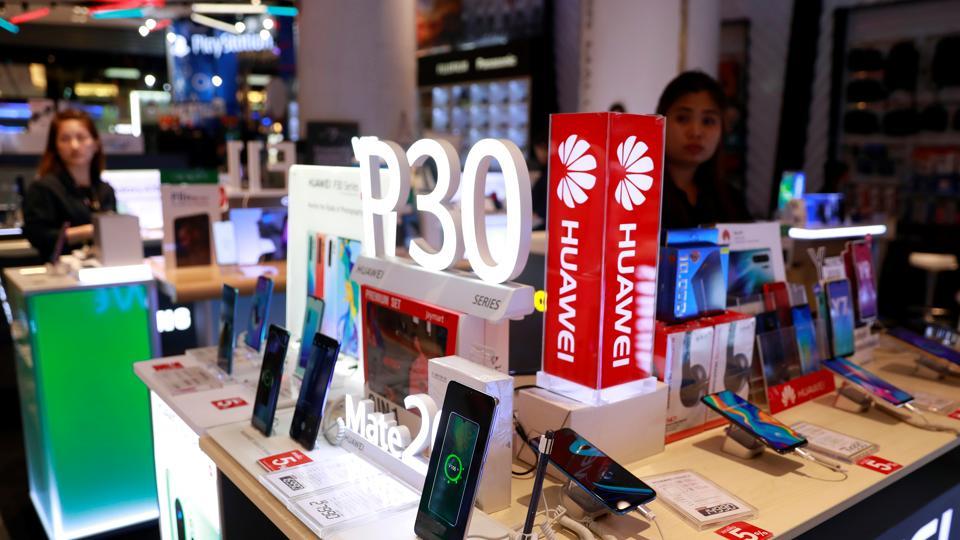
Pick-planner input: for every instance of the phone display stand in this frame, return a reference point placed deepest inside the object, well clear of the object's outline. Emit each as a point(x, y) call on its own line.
point(580, 505)
point(853, 399)
point(929, 368)
point(741, 444)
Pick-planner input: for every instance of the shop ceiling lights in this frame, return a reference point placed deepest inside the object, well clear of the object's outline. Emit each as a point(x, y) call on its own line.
point(799, 233)
point(213, 23)
point(9, 26)
point(237, 9)
point(28, 16)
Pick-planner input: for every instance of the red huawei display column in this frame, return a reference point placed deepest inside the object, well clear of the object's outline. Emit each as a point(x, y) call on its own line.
point(605, 175)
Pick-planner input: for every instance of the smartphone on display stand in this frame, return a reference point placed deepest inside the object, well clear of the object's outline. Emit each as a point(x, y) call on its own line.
point(259, 311)
point(456, 464)
point(312, 317)
point(869, 382)
point(313, 391)
point(228, 337)
point(840, 307)
point(598, 474)
point(271, 374)
point(751, 419)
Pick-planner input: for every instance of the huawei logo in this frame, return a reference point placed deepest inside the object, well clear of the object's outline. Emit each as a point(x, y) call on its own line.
point(788, 397)
point(576, 178)
point(631, 187)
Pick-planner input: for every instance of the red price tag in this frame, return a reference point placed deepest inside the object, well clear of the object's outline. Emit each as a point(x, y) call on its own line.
point(879, 464)
point(741, 530)
point(955, 414)
point(166, 366)
point(229, 403)
point(285, 460)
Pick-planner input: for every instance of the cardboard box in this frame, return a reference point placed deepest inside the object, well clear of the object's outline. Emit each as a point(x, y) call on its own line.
point(494, 491)
point(686, 365)
point(605, 174)
point(189, 211)
point(733, 341)
point(692, 280)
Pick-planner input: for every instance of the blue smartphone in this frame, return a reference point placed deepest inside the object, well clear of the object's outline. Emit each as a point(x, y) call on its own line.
point(761, 425)
point(926, 345)
point(268, 386)
point(257, 326)
point(228, 337)
point(313, 392)
point(868, 381)
point(840, 307)
point(806, 338)
point(312, 317)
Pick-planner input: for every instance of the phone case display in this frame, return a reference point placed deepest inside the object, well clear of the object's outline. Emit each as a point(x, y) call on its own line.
point(692, 279)
point(684, 360)
point(700, 502)
point(400, 336)
point(480, 93)
point(188, 214)
point(834, 445)
point(858, 257)
point(733, 341)
point(604, 168)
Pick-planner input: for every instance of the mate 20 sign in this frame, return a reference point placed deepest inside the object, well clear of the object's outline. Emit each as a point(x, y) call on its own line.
point(605, 174)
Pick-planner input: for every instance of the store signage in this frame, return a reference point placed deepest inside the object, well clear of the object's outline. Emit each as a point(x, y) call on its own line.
point(955, 414)
point(216, 46)
point(741, 530)
point(877, 463)
point(385, 191)
point(605, 172)
point(472, 65)
point(800, 390)
point(382, 430)
point(284, 460)
point(229, 403)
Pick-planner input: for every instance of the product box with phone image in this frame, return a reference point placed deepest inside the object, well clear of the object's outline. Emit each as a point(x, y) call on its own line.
point(189, 210)
point(756, 258)
point(400, 336)
point(692, 279)
point(605, 175)
point(733, 342)
point(494, 491)
point(683, 359)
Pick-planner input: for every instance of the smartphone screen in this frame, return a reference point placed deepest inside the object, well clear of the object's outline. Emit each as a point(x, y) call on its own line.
point(868, 381)
point(806, 338)
point(312, 315)
point(758, 423)
point(841, 316)
point(926, 345)
point(271, 372)
point(456, 461)
point(617, 488)
point(313, 392)
point(258, 312)
point(228, 315)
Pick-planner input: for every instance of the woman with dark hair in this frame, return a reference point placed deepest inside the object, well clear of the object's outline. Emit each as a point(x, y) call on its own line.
point(68, 189)
point(693, 191)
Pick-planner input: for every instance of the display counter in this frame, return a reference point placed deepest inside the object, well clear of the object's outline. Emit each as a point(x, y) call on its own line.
point(791, 495)
point(198, 283)
point(85, 416)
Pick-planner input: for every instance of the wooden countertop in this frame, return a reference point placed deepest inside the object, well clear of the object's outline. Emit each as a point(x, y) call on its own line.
point(197, 283)
point(791, 495)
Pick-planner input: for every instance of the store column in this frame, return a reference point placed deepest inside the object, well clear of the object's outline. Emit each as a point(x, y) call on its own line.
point(357, 62)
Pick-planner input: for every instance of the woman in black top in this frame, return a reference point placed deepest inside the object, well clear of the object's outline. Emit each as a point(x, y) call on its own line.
point(68, 189)
point(693, 192)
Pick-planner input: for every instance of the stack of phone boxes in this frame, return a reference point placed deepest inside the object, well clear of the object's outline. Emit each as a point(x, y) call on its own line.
point(698, 357)
point(692, 280)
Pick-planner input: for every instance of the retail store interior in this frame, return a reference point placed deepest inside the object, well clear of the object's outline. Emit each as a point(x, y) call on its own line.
point(488, 269)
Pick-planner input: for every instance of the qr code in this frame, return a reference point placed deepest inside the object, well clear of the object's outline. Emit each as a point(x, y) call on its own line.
point(291, 482)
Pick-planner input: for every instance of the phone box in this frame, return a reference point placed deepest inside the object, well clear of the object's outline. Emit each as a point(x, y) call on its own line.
point(627, 430)
point(494, 492)
point(189, 210)
point(684, 361)
point(733, 341)
point(692, 280)
point(605, 173)
point(401, 335)
point(758, 237)
point(116, 239)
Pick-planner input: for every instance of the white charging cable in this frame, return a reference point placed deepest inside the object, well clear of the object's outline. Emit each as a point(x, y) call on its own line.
point(927, 425)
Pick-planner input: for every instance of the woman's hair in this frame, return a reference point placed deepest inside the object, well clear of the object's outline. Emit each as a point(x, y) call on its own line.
point(52, 163)
point(692, 82)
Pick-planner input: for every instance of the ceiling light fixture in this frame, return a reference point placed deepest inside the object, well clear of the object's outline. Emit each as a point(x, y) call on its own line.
point(213, 23)
point(150, 24)
point(235, 9)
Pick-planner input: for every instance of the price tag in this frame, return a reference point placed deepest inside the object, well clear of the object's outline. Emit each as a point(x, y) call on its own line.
point(699, 500)
point(834, 444)
point(879, 464)
point(167, 365)
point(229, 403)
point(955, 414)
point(741, 530)
point(285, 460)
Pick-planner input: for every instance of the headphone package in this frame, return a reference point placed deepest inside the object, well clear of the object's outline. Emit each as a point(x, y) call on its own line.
point(683, 359)
point(733, 340)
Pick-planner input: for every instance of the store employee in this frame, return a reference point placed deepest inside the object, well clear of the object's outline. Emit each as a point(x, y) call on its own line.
point(693, 192)
point(68, 188)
